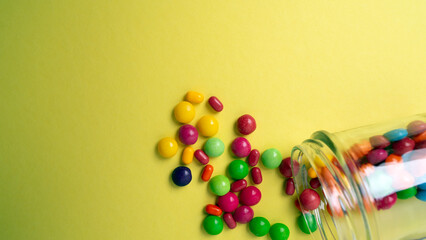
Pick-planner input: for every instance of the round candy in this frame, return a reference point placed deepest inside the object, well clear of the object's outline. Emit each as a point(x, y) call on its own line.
point(228, 202)
point(213, 225)
point(379, 141)
point(421, 195)
point(259, 226)
point(422, 186)
point(307, 223)
point(279, 231)
point(208, 126)
point(238, 169)
point(250, 196)
point(243, 214)
point(241, 147)
point(184, 112)
point(315, 183)
point(194, 97)
point(396, 135)
point(285, 167)
point(309, 199)
point(402, 146)
point(377, 156)
point(238, 185)
point(167, 147)
point(220, 185)
point(246, 124)
point(188, 134)
point(407, 193)
point(181, 176)
point(416, 127)
point(253, 157)
point(214, 147)
point(386, 202)
point(271, 158)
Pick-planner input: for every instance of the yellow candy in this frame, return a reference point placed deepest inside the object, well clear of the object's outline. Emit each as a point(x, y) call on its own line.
point(188, 155)
point(194, 97)
point(167, 147)
point(312, 173)
point(208, 126)
point(318, 162)
point(184, 112)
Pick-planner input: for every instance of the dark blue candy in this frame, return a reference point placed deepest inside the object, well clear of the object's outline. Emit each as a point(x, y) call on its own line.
point(181, 176)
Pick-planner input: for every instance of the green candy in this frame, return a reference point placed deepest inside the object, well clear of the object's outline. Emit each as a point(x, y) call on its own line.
point(271, 158)
point(214, 147)
point(220, 185)
point(407, 193)
point(238, 169)
point(279, 231)
point(259, 226)
point(213, 225)
point(309, 224)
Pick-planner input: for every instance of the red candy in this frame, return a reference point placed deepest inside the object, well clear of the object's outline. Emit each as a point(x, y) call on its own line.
point(250, 196)
point(420, 145)
point(243, 214)
point(201, 156)
point(228, 202)
point(315, 183)
point(289, 186)
point(402, 146)
point(285, 167)
point(215, 104)
point(309, 199)
point(253, 157)
point(246, 124)
point(386, 202)
point(229, 220)
point(241, 147)
point(256, 175)
point(207, 173)
point(297, 204)
point(213, 210)
point(238, 185)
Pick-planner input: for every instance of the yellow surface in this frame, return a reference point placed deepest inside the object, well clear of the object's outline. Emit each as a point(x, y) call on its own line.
point(87, 88)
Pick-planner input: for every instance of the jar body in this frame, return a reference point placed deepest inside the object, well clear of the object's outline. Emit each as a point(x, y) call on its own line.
point(373, 180)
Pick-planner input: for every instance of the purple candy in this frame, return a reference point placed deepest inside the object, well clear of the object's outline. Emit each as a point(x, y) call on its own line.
point(243, 214)
point(188, 134)
point(377, 156)
point(379, 141)
point(402, 146)
point(250, 196)
point(241, 147)
point(416, 127)
point(228, 202)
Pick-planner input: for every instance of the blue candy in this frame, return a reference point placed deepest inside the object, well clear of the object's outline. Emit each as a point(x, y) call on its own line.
point(422, 186)
point(421, 195)
point(396, 135)
point(181, 176)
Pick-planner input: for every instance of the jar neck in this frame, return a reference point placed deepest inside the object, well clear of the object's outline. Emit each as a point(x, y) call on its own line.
point(342, 187)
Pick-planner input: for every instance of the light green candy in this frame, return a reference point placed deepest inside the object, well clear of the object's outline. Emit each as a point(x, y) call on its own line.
point(214, 147)
point(220, 185)
point(271, 158)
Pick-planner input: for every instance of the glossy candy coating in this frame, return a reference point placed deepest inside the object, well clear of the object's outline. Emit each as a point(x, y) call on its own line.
point(243, 214)
point(208, 126)
point(213, 210)
point(386, 202)
point(279, 231)
point(416, 127)
point(228, 202)
point(407, 193)
point(213, 225)
point(259, 226)
point(403, 146)
point(285, 167)
point(271, 158)
point(421, 195)
point(201, 156)
point(307, 222)
point(238, 185)
point(216, 104)
point(184, 112)
point(194, 97)
point(238, 169)
point(219, 185)
point(253, 157)
point(315, 183)
point(229, 220)
point(167, 147)
point(246, 124)
point(256, 175)
point(309, 199)
point(250, 196)
point(422, 186)
point(241, 147)
point(312, 173)
point(207, 173)
point(396, 134)
point(181, 176)
point(188, 134)
point(214, 147)
point(420, 138)
point(289, 186)
point(187, 155)
point(393, 159)
point(379, 141)
point(377, 156)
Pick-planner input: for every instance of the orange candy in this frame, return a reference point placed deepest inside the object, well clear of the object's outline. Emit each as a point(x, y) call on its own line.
point(393, 159)
point(367, 169)
point(420, 138)
point(213, 210)
point(207, 172)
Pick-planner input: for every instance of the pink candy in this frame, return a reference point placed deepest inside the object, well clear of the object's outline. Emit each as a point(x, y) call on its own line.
point(238, 185)
point(228, 202)
point(289, 186)
point(188, 134)
point(241, 147)
point(229, 220)
point(256, 175)
point(243, 214)
point(377, 156)
point(253, 157)
point(386, 202)
point(250, 196)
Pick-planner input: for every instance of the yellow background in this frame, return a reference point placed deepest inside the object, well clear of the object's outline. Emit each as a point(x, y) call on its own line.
point(87, 89)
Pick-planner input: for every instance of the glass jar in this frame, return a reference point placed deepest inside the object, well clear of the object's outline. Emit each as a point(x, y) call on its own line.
point(373, 181)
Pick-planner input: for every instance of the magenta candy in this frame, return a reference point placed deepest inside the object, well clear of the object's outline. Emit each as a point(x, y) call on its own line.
point(256, 175)
point(377, 156)
point(229, 220)
point(416, 127)
point(289, 186)
point(402, 146)
point(188, 134)
point(309, 199)
point(228, 202)
point(243, 214)
point(201, 156)
point(241, 147)
point(215, 104)
point(379, 141)
point(285, 167)
point(238, 185)
point(420, 145)
point(253, 157)
point(250, 196)
point(386, 202)
point(246, 124)
point(315, 183)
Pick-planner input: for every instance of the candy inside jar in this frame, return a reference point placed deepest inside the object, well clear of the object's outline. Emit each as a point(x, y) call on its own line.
point(363, 183)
